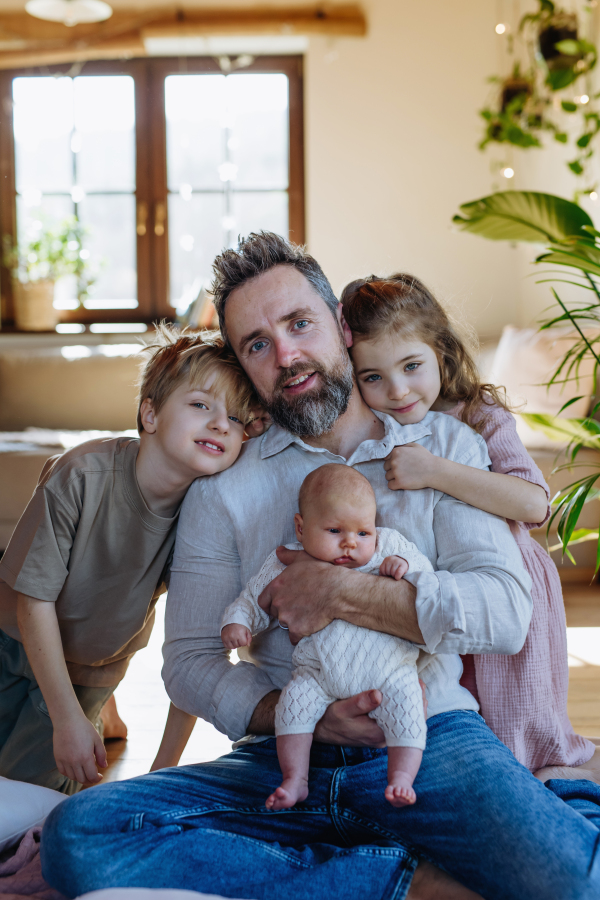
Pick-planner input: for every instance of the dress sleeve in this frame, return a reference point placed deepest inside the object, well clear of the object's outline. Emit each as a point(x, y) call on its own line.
point(509, 456)
point(245, 609)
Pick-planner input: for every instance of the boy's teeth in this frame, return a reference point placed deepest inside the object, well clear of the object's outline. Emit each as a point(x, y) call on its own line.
point(299, 380)
point(208, 444)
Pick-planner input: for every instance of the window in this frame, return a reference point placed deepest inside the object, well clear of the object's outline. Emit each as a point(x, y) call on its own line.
point(164, 162)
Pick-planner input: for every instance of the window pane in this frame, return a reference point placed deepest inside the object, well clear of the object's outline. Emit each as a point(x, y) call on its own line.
point(195, 237)
point(43, 122)
point(196, 111)
point(258, 211)
point(104, 139)
point(111, 242)
point(258, 141)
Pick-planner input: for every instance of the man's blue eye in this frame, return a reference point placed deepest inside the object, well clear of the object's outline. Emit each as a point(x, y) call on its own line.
point(257, 346)
point(372, 378)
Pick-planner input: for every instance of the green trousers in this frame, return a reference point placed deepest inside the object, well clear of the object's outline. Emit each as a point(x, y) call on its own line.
point(26, 731)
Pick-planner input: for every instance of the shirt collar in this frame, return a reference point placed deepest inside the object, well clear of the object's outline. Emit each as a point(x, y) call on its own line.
point(278, 439)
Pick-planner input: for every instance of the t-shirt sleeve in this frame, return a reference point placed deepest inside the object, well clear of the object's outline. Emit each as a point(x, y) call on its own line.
point(509, 456)
point(36, 560)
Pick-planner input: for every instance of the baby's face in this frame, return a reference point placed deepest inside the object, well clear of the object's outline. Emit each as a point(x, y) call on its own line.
point(340, 532)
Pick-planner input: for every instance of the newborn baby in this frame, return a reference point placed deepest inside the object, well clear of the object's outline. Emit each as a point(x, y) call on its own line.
point(336, 524)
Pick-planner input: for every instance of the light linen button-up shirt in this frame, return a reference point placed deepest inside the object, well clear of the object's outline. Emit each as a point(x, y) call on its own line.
point(477, 600)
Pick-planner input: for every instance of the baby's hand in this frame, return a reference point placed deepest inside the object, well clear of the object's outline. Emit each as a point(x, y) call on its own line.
point(394, 567)
point(234, 636)
point(409, 468)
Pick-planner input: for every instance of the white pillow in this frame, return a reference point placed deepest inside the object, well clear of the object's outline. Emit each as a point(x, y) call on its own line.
point(23, 806)
point(146, 894)
point(524, 360)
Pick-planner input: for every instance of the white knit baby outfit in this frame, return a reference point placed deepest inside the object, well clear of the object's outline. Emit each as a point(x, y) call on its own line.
point(344, 659)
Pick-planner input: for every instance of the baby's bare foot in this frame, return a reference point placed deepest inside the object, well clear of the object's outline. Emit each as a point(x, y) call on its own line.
point(290, 792)
point(400, 793)
point(113, 724)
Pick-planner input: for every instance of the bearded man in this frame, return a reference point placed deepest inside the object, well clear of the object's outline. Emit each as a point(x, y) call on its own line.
point(487, 824)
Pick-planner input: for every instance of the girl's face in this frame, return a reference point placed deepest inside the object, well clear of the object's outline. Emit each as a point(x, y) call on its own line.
point(398, 375)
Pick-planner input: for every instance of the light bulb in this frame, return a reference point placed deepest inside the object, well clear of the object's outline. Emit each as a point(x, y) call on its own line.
point(584, 98)
point(508, 172)
point(500, 28)
point(593, 196)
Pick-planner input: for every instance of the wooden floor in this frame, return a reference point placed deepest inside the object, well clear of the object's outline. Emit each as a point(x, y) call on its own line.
point(143, 703)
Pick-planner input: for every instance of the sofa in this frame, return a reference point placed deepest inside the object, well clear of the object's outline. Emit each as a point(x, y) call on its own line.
point(55, 397)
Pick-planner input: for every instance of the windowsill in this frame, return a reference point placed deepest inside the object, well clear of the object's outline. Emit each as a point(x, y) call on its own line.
point(37, 340)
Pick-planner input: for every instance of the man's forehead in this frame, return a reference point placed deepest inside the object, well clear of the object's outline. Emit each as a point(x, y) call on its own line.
point(270, 296)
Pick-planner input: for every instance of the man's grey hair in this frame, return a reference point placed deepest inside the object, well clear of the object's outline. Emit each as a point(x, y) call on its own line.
point(256, 254)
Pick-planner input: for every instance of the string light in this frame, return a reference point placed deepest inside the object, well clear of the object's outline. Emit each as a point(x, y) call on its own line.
point(500, 28)
point(593, 196)
point(584, 98)
point(508, 172)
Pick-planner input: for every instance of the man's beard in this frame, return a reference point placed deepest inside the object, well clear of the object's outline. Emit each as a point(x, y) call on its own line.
point(313, 413)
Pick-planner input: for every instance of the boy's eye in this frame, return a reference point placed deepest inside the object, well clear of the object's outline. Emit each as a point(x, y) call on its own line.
point(257, 345)
point(372, 378)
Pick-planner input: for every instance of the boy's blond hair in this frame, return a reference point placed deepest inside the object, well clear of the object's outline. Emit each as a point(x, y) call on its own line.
point(177, 356)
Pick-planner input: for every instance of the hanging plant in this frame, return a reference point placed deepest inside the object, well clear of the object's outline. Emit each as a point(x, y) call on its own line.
point(524, 107)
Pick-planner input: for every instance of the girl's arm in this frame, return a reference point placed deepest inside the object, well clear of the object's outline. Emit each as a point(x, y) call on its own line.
point(412, 467)
point(174, 740)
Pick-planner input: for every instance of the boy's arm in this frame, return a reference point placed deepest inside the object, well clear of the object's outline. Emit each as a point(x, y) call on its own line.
point(174, 740)
point(78, 748)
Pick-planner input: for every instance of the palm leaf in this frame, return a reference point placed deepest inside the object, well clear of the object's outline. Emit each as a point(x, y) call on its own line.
point(523, 216)
point(583, 431)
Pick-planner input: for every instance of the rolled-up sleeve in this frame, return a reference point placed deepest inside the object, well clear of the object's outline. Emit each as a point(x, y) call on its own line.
point(478, 600)
point(205, 579)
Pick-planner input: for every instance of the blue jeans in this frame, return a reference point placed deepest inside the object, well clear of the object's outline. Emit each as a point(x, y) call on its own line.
point(479, 814)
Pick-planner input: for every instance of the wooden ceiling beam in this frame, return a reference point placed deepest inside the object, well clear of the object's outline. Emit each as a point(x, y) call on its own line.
point(25, 41)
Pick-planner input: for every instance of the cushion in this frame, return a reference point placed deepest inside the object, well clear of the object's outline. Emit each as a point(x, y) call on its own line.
point(22, 806)
point(526, 358)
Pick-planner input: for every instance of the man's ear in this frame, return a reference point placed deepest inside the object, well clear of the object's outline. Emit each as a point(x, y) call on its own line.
point(298, 526)
point(148, 416)
point(344, 326)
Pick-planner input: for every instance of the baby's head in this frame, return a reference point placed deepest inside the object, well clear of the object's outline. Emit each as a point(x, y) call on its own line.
point(336, 522)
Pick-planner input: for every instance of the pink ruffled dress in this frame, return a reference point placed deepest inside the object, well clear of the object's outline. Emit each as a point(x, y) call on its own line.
point(523, 698)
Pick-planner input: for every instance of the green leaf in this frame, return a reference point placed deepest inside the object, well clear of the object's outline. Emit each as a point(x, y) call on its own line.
point(583, 431)
point(568, 106)
point(568, 47)
point(576, 167)
point(584, 140)
point(561, 78)
point(523, 216)
point(580, 536)
point(561, 137)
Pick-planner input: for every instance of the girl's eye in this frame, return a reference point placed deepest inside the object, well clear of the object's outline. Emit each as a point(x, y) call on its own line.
point(412, 366)
point(372, 378)
point(235, 419)
point(301, 324)
point(258, 345)
point(200, 405)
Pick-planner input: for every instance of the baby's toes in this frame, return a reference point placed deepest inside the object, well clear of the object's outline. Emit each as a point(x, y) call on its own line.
point(400, 796)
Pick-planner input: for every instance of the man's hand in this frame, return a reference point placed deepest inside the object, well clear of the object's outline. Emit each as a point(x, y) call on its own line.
point(234, 636)
point(301, 596)
point(394, 567)
point(78, 750)
point(347, 722)
point(260, 423)
point(410, 468)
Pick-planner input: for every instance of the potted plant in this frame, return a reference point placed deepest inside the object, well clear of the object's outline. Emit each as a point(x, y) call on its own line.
point(556, 34)
point(50, 253)
point(515, 116)
point(573, 244)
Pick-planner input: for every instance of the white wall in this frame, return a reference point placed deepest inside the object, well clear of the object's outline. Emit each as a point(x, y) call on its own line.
point(391, 140)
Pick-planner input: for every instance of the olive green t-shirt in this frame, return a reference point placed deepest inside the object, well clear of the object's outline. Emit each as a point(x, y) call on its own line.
point(88, 542)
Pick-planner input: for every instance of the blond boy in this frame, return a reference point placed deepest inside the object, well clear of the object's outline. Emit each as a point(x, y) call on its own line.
point(91, 554)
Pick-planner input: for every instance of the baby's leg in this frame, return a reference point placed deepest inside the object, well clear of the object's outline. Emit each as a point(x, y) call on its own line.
point(403, 765)
point(302, 703)
point(293, 751)
point(402, 720)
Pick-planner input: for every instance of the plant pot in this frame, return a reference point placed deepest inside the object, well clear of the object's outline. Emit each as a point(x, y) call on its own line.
point(562, 27)
point(34, 309)
point(515, 87)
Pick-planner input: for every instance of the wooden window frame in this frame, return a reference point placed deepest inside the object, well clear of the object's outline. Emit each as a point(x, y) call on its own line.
point(151, 172)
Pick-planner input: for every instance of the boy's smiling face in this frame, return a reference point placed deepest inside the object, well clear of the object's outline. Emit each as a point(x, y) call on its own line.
point(198, 434)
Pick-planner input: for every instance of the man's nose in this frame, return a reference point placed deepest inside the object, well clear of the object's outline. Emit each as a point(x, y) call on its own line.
point(287, 354)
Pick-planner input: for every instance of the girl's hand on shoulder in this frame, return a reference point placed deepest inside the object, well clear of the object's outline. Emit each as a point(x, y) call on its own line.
point(394, 567)
point(409, 468)
point(234, 636)
point(260, 423)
